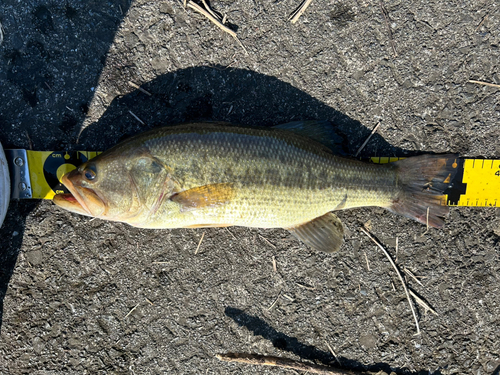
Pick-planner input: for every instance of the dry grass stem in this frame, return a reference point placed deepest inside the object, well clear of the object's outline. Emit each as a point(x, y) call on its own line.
point(216, 21)
point(368, 139)
point(267, 241)
point(294, 17)
point(137, 118)
point(131, 311)
point(215, 15)
point(368, 225)
point(477, 28)
point(397, 248)
point(139, 88)
point(288, 297)
point(275, 301)
point(399, 275)
point(333, 352)
point(409, 273)
point(161, 262)
point(367, 263)
point(29, 139)
point(386, 17)
point(151, 303)
point(211, 16)
point(275, 269)
point(484, 83)
point(231, 233)
point(199, 244)
point(285, 363)
point(306, 286)
point(422, 303)
point(1, 34)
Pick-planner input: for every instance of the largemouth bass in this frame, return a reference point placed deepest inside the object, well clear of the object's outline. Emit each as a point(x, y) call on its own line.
point(214, 175)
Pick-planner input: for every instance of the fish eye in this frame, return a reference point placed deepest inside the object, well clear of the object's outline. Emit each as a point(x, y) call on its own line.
point(90, 172)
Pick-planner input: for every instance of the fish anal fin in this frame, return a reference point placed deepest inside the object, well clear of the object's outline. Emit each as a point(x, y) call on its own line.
point(325, 233)
point(204, 196)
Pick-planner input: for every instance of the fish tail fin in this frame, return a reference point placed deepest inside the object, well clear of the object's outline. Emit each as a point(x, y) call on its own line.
point(423, 180)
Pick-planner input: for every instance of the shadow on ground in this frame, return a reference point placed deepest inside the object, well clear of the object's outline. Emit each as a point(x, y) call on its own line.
point(51, 58)
point(308, 352)
point(237, 96)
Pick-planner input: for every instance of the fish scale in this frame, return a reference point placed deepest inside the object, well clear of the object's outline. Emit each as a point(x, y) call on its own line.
point(269, 171)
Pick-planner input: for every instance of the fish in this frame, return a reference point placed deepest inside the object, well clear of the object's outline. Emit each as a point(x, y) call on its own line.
point(217, 175)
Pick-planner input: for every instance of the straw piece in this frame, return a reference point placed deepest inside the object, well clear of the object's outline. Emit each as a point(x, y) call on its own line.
point(294, 17)
point(137, 118)
point(409, 273)
point(333, 352)
point(215, 15)
point(274, 303)
point(422, 303)
point(226, 29)
point(399, 275)
point(367, 139)
point(255, 359)
point(481, 24)
point(130, 312)
point(386, 16)
point(484, 83)
point(199, 243)
point(139, 88)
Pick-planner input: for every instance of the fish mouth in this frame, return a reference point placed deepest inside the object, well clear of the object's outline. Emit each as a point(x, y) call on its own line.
point(80, 200)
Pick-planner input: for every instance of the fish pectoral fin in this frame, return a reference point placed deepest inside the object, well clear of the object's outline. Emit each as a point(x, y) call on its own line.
point(204, 196)
point(325, 233)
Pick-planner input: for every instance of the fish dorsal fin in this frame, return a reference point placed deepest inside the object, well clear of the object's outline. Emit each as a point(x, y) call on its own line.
point(204, 196)
point(324, 233)
point(321, 131)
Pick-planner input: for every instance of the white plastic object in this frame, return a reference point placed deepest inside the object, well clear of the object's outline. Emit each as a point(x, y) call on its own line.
point(4, 185)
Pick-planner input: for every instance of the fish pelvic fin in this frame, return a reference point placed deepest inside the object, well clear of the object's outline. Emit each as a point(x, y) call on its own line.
point(325, 233)
point(423, 180)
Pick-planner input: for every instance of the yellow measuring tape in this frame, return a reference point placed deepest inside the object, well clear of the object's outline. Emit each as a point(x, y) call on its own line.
point(482, 180)
point(477, 183)
point(46, 169)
